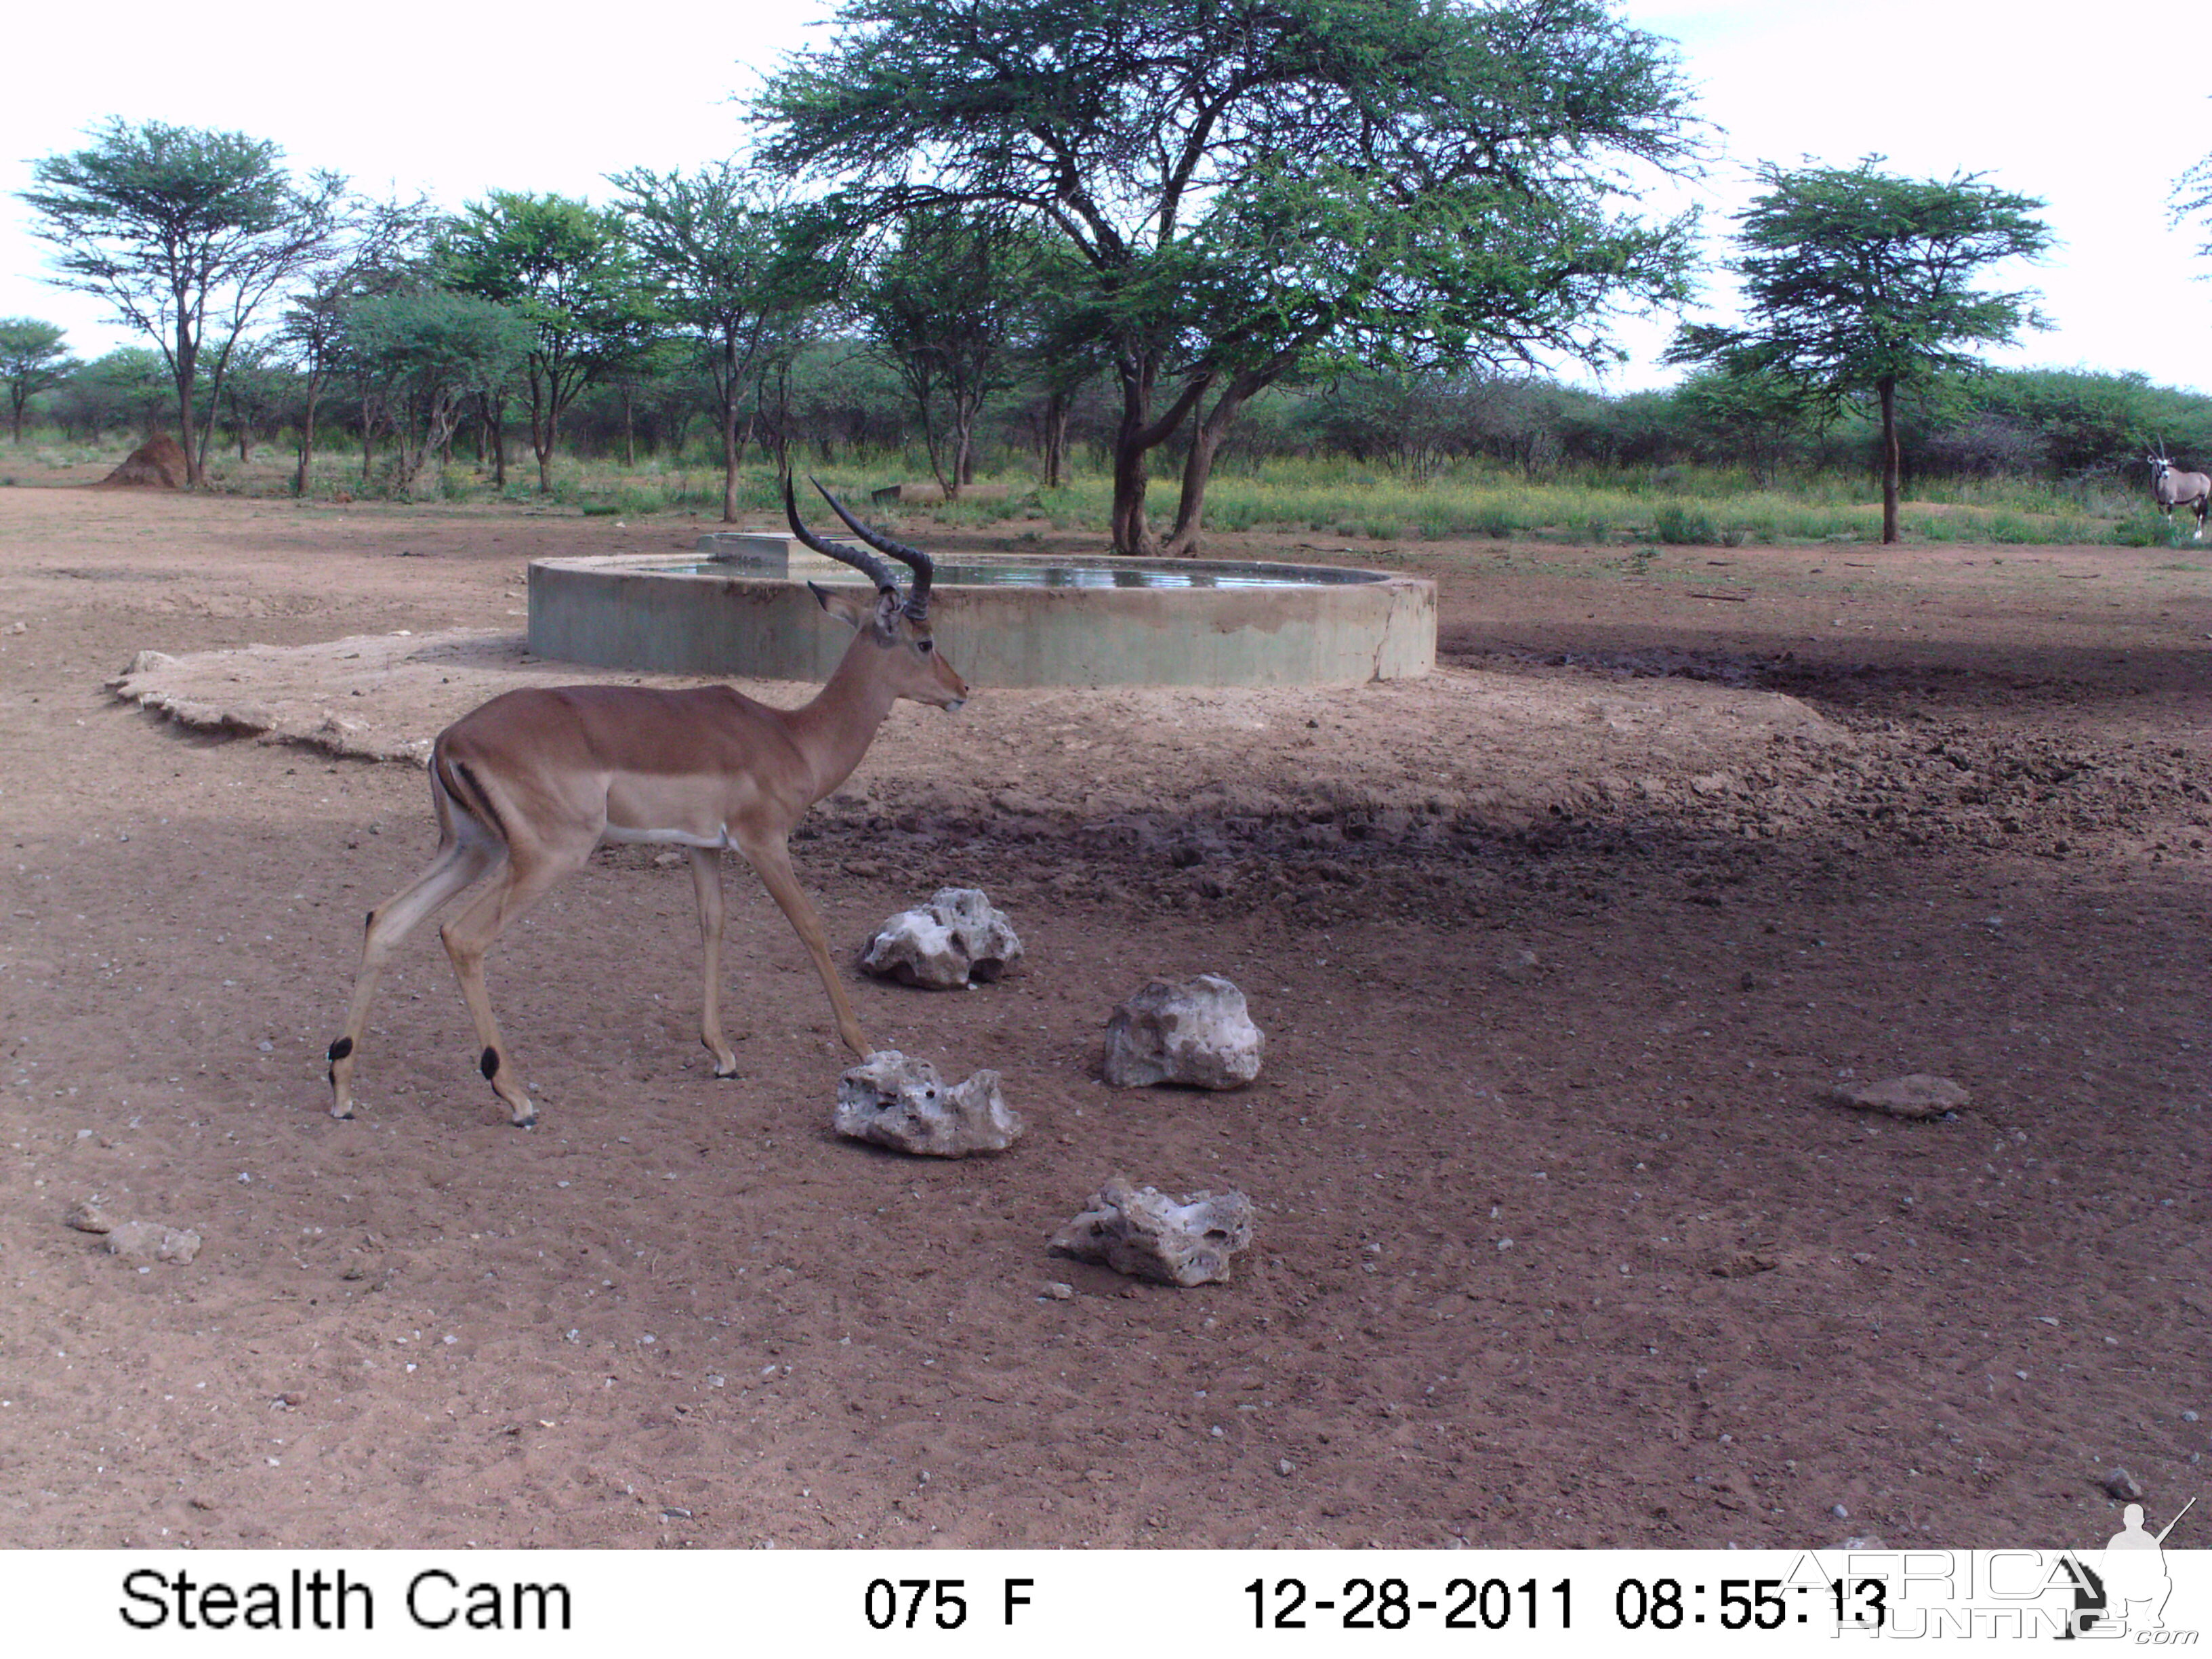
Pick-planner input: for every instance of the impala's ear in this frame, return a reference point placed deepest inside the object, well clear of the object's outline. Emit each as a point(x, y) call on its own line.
point(856, 613)
point(843, 603)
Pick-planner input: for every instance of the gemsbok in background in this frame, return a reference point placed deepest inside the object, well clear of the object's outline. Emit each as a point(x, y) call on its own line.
point(527, 786)
point(2172, 488)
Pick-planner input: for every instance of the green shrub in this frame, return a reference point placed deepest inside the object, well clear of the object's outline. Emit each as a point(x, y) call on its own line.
point(2146, 527)
point(1496, 519)
point(1677, 524)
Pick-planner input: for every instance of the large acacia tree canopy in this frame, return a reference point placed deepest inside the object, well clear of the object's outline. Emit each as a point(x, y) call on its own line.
point(1852, 278)
point(1263, 176)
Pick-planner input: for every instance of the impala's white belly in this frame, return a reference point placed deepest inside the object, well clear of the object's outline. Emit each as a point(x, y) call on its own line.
point(719, 838)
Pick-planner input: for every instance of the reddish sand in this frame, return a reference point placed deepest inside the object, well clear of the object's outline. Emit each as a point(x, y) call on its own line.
point(1557, 953)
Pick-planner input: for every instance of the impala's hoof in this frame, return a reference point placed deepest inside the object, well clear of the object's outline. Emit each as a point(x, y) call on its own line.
point(530, 1122)
point(726, 1072)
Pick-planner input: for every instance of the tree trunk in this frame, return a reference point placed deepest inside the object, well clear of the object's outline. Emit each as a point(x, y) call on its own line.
point(545, 422)
point(1887, 387)
point(731, 445)
point(1136, 436)
point(1205, 439)
point(629, 429)
point(964, 411)
point(307, 440)
point(1055, 440)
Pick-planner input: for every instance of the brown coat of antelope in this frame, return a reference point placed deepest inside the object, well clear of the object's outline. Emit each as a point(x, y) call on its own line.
point(527, 786)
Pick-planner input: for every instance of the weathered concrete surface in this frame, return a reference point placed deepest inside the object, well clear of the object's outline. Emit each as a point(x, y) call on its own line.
point(632, 611)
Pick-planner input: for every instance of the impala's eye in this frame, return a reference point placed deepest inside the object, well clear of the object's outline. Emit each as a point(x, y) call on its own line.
point(925, 645)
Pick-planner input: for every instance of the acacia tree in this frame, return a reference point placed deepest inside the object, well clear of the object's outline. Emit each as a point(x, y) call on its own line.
point(948, 306)
point(734, 260)
point(1256, 187)
point(428, 354)
point(381, 248)
point(31, 359)
point(567, 268)
point(1856, 282)
point(187, 233)
point(2192, 198)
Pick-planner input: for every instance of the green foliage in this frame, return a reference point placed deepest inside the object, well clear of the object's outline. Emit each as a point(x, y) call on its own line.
point(1854, 278)
point(569, 270)
point(949, 305)
point(1858, 283)
point(1680, 524)
point(1253, 189)
point(33, 359)
point(187, 233)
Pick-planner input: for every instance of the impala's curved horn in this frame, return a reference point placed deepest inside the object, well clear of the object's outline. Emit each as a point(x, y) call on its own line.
point(866, 563)
point(917, 602)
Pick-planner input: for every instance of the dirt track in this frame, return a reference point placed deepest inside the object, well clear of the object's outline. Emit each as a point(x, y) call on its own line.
point(1556, 954)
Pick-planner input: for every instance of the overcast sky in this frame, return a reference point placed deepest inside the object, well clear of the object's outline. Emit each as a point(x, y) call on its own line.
point(454, 101)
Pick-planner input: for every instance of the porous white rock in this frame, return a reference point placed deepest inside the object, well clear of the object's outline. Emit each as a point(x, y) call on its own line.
point(150, 1240)
point(894, 1101)
point(1142, 1233)
point(1195, 1032)
point(956, 940)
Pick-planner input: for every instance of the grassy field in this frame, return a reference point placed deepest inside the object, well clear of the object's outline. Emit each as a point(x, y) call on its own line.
point(1670, 506)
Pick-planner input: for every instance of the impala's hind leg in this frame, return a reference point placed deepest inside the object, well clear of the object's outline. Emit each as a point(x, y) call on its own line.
point(707, 882)
point(521, 883)
point(465, 855)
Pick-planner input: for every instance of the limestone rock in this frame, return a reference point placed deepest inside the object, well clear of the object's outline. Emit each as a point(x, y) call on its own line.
point(897, 1102)
point(955, 940)
point(1195, 1032)
point(1919, 1095)
point(1142, 1233)
point(87, 1217)
point(150, 1240)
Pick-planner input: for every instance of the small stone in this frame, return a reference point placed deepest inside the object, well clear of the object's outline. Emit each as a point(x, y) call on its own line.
point(1057, 1292)
point(1517, 963)
point(956, 940)
point(1141, 1232)
point(87, 1217)
point(148, 1240)
point(1195, 1032)
point(1920, 1095)
point(2189, 1417)
point(1839, 1511)
point(2123, 1485)
point(897, 1102)
point(1284, 1466)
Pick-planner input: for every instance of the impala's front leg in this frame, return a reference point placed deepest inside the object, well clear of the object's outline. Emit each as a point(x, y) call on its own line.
point(773, 860)
point(707, 882)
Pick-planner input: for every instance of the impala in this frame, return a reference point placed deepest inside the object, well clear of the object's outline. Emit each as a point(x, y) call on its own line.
point(527, 786)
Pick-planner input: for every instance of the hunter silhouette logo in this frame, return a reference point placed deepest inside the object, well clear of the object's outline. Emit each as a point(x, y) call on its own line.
point(2127, 1589)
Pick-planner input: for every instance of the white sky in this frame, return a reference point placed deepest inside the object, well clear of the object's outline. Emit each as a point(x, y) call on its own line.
point(2068, 104)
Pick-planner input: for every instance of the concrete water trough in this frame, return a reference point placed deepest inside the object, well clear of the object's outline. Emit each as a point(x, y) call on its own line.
point(741, 607)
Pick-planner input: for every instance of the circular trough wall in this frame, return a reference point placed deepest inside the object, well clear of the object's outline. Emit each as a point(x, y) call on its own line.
point(1022, 623)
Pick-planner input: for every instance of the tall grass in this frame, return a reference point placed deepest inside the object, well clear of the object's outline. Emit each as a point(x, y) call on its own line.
point(1325, 498)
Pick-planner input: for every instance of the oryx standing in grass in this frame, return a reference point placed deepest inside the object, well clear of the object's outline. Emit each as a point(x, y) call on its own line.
point(2172, 488)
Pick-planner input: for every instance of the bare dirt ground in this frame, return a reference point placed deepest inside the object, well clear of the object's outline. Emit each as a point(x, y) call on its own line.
point(1557, 953)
